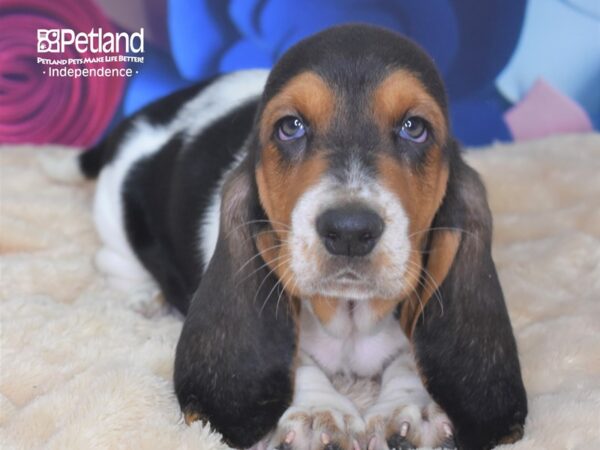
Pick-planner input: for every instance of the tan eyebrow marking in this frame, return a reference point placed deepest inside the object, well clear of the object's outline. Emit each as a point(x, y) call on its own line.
point(306, 94)
point(400, 93)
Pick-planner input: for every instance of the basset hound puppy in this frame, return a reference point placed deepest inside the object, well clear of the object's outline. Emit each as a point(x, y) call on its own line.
point(313, 222)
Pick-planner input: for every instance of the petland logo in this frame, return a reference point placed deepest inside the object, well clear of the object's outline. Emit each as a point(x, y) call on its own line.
point(57, 40)
point(101, 54)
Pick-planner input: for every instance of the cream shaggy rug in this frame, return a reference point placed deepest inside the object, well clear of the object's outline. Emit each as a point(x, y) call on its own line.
point(83, 366)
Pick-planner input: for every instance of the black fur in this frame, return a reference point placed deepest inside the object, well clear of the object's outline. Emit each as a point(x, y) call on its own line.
point(466, 351)
point(166, 196)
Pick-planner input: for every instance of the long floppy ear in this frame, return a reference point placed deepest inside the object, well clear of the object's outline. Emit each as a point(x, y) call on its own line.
point(233, 365)
point(463, 339)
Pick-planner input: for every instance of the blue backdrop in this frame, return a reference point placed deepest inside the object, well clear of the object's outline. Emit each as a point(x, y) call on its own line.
point(472, 42)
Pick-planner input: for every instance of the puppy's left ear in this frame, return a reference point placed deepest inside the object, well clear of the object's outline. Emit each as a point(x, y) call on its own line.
point(463, 339)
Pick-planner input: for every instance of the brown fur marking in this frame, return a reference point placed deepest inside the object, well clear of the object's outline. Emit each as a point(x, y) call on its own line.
point(307, 95)
point(443, 248)
point(381, 307)
point(516, 433)
point(420, 193)
point(400, 95)
point(281, 185)
point(191, 417)
point(324, 308)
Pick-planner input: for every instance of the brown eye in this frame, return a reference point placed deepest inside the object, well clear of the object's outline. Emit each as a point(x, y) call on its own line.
point(413, 129)
point(290, 128)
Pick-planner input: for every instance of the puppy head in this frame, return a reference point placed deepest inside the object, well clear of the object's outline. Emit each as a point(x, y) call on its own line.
point(350, 164)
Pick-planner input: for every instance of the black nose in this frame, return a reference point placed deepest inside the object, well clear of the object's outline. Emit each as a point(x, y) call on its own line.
point(351, 230)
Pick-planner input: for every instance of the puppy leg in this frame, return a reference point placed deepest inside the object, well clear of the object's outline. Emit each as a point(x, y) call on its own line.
point(404, 416)
point(319, 417)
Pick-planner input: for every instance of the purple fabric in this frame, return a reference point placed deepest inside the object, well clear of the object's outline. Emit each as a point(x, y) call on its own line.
point(35, 107)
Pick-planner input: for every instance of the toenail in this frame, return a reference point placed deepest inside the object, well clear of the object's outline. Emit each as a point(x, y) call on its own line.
point(404, 429)
point(290, 437)
point(447, 429)
point(372, 443)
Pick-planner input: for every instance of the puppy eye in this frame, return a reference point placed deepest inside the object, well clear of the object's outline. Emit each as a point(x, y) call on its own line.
point(290, 128)
point(413, 129)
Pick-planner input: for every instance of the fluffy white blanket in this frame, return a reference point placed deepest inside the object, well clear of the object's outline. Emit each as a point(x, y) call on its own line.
point(84, 366)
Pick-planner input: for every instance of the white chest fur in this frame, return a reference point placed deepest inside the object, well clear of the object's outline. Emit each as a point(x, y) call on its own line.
point(349, 343)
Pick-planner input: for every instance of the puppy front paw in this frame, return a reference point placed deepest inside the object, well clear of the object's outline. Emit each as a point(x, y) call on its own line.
point(318, 428)
point(409, 426)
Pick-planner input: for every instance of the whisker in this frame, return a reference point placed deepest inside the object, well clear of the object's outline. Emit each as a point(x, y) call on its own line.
point(436, 288)
point(414, 290)
point(460, 230)
point(432, 283)
point(265, 264)
point(254, 236)
point(256, 256)
point(421, 252)
point(285, 284)
point(275, 286)
point(286, 227)
point(286, 260)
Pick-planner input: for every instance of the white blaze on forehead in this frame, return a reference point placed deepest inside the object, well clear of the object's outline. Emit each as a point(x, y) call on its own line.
point(355, 175)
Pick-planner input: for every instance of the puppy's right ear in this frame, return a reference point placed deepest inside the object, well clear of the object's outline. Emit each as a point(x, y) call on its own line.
point(462, 336)
point(234, 360)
